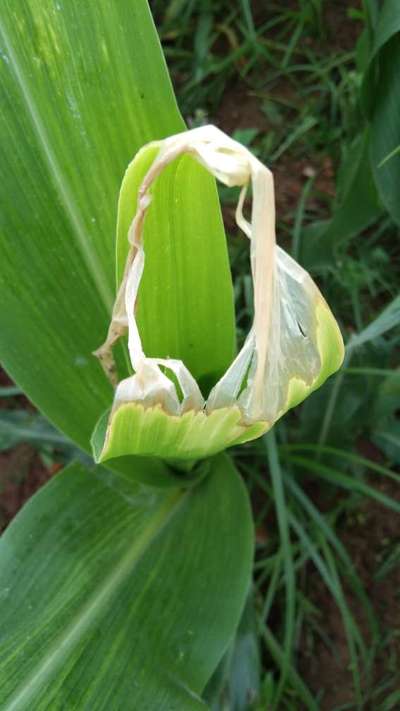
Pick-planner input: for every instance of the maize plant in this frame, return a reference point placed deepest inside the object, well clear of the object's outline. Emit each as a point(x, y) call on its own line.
point(123, 580)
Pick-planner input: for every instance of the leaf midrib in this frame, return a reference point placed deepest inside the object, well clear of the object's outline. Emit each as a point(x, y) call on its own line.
point(23, 695)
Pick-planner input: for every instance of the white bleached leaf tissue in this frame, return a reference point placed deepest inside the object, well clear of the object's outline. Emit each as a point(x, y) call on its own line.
point(294, 343)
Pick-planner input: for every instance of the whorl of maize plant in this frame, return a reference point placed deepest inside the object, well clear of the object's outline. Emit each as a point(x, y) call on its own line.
point(294, 343)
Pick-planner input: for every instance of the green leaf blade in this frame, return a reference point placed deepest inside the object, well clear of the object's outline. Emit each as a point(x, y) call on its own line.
point(83, 87)
point(121, 599)
point(381, 87)
point(180, 312)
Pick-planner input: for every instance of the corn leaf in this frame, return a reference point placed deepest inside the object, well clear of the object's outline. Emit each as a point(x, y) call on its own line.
point(82, 87)
point(381, 93)
point(125, 598)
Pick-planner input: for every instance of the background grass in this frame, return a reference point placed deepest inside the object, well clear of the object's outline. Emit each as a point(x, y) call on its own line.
point(322, 627)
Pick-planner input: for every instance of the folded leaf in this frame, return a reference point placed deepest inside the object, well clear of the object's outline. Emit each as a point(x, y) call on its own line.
point(294, 343)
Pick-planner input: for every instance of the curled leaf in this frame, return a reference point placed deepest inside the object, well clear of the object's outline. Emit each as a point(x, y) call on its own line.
point(293, 345)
